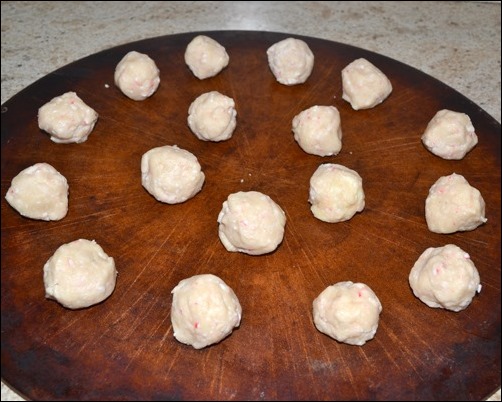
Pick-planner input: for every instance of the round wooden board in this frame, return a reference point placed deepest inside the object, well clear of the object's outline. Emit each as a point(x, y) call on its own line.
point(124, 349)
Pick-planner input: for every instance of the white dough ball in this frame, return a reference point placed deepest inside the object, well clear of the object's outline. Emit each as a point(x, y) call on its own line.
point(445, 277)
point(212, 117)
point(39, 192)
point(67, 119)
point(137, 76)
point(79, 274)
point(251, 222)
point(291, 61)
point(348, 312)
point(318, 130)
point(336, 193)
point(450, 135)
point(454, 205)
point(205, 57)
point(171, 174)
point(205, 310)
point(364, 85)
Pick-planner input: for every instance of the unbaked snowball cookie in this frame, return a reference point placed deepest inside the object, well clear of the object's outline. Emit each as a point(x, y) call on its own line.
point(291, 61)
point(336, 193)
point(79, 274)
point(67, 119)
point(39, 192)
point(205, 310)
point(454, 205)
point(450, 135)
point(364, 85)
point(348, 312)
point(205, 57)
point(445, 277)
point(137, 76)
point(212, 117)
point(171, 174)
point(318, 130)
point(251, 223)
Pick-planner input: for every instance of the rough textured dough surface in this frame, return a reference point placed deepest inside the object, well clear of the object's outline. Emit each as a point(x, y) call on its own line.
point(445, 277)
point(204, 311)
point(205, 57)
point(39, 192)
point(251, 222)
point(79, 274)
point(212, 117)
point(318, 130)
point(364, 85)
point(171, 174)
point(454, 205)
point(67, 119)
point(336, 193)
point(348, 312)
point(450, 135)
point(291, 61)
point(137, 76)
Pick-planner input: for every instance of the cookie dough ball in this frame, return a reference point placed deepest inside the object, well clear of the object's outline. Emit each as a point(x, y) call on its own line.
point(212, 117)
point(137, 76)
point(445, 277)
point(348, 312)
point(318, 130)
point(364, 85)
point(454, 205)
point(39, 192)
point(205, 57)
point(205, 310)
point(450, 135)
point(291, 61)
point(251, 222)
point(67, 119)
point(336, 193)
point(171, 174)
point(79, 274)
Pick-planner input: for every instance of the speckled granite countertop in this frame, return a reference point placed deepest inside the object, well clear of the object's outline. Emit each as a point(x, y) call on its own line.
point(455, 42)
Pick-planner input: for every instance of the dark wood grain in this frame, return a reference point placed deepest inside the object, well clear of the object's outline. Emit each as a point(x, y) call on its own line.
point(124, 349)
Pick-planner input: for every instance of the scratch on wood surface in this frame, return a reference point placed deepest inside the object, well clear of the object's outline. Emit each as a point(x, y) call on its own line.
point(377, 239)
point(348, 371)
point(363, 354)
point(302, 245)
point(154, 254)
point(391, 359)
point(73, 321)
point(397, 341)
point(396, 216)
point(167, 335)
point(126, 311)
point(174, 361)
